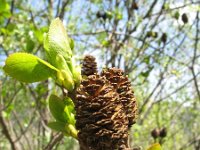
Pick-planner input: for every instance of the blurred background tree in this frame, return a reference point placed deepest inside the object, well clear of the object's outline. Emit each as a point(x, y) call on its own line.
point(156, 42)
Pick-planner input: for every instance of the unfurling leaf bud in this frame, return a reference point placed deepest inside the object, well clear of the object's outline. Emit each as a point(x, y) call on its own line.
point(77, 74)
point(65, 79)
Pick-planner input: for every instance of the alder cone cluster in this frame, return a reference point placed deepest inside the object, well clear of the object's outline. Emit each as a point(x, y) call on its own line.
point(101, 119)
point(105, 108)
point(89, 65)
point(123, 87)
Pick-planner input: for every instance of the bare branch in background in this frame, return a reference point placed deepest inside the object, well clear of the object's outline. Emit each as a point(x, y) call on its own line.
point(54, 140)
point(6, 132)
point(194, 56)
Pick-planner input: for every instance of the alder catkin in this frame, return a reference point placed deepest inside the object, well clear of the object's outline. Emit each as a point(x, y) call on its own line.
point(101, 119)
point(123, 87)
point(89, 65)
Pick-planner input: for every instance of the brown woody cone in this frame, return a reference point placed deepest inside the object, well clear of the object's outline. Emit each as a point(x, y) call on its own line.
point(123, 88)
point(89, 65)
point(155, 133)
point(101, 120)
point(163, 132)
point(184, 18)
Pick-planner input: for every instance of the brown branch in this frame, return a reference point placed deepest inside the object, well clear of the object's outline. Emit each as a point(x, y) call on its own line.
point(152, 92)
point(21, 129)
point(54, 140)
point(11, 11)
point(62, 12)
point(175, 8)
point(57, 8)
point(27, 128)
point(50, 8)
point(150, 10)
point(176, 90)
point(194, 56)
point(190, 143)
point(11, 99)
point(5, 131)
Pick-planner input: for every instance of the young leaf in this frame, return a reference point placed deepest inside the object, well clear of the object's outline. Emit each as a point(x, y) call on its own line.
point(57, 126)
point(57, 42)
point(69, 103)
point(57, 106)
point(71, 43)
point(71, 130)
point(28, 68)
point(65, 79)
point(69, 111)
point(76, 71)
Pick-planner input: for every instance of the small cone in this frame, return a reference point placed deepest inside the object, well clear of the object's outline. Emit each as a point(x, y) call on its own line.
point(163, 132)
point(123, 88)
point(164, 38)
point(101, 120)
point(89, 65)
point(184, 18)
point(155, 133)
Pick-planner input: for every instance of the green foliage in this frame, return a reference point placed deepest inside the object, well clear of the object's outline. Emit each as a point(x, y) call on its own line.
point(4, 10)
point(58, 48)
point(57, 126)
point(69, 112)
point(63, 111)
point(28, 68)
point(57, 106)
point(57, 43)
point(173, 103)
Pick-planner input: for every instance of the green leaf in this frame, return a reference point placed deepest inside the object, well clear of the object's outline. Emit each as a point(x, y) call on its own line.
point(57, 106)
point(28, 68)
point(29, 45)
point(176, 15)
point(77, 74)
point(57, 42)
point(147, 59)
point(2, 5)
point(105, 43)
point(57, 126)
point(71, 130)
point(4, 9)
point(145, 74)
point(69, 111)
point(71, 43)
point(39, 35)
point(69, 103)
point(155, 146)
point(109, 14)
